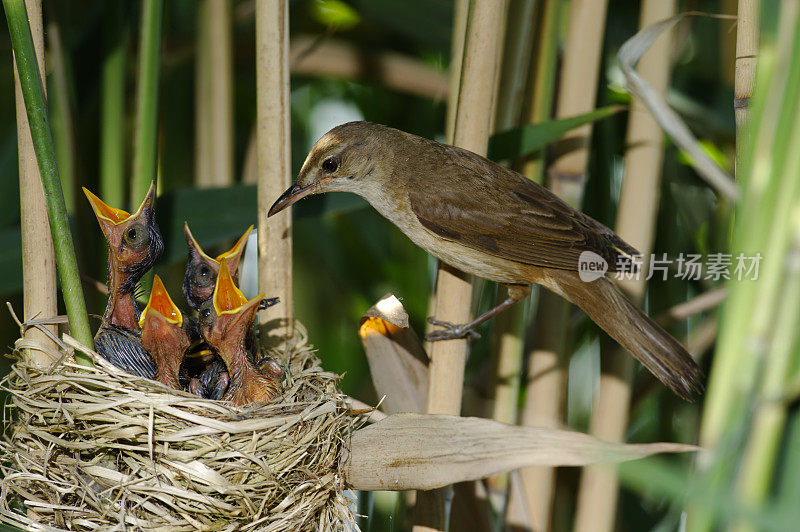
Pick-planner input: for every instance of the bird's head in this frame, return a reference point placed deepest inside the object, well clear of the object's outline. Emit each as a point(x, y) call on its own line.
point(348, 158)
point(161, 323)
point(134, 241)
point(224, 323)
point(202, 270)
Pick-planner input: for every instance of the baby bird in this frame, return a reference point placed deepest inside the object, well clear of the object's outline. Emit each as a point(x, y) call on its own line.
point(134, 245)
point(225, 325)
point(202, 270)
point(205, 373)
point(164, 335)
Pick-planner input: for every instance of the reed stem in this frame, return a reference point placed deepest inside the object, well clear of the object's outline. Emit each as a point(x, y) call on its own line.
point(30, 82)
point(636, 219)
point(145, 142)
point(472, 126)
point(273, 140)
point(112, 105)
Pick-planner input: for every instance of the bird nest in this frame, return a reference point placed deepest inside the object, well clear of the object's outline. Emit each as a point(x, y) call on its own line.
point(94, 448)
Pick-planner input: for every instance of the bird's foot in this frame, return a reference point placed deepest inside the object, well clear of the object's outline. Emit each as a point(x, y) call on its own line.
point(450, 331)
point(268, 302)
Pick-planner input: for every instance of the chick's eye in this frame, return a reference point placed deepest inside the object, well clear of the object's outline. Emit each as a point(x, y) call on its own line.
point(136, 236)
point(203, 276)
point(205, 313)
point(330, 164)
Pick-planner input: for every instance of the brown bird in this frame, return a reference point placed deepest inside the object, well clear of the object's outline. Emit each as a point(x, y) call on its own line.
point(164, 335)
point(134, 245)
point(201, 270)
point(225, 326)
point(491, 222)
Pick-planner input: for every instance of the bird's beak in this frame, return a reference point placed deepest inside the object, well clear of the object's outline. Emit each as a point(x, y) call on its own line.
point(115, 216)
point(234, 255)
point(161, 304)
point(230, 301)
point(105, 213)
point(294, 194)
point(190, 240)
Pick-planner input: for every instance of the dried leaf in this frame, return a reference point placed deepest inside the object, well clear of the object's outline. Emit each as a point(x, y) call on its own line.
point(397, 360)
point(418, 451)
point(629, 54)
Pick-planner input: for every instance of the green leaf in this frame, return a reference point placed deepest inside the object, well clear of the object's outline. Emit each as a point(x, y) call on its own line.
point(336, 14)
point(532, 137)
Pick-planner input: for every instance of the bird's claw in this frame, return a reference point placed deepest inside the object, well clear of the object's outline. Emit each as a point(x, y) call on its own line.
point(268, 302)
point(450, 331)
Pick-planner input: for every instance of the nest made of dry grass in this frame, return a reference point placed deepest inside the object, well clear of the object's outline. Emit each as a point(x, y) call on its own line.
point(94, 448)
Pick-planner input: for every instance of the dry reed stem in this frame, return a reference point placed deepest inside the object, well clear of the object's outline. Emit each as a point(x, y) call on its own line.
point(96, 448)
point(274, 161)
point(473, 120)
point(214, 98)
point(508, 335)
point(38, 256)
point(636, 219)
point(577, 90)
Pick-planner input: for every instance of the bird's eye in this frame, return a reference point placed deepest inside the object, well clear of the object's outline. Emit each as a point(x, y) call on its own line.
point(330, 164)
point(136, 236)
point(204, 276)
point(205, 313)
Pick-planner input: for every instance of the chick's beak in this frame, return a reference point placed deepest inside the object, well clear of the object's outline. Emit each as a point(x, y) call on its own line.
point(117, 216)
point(231, 305)
point(162, 304)
point(294, 194)
point(103, 212)
point(228, 299)
point(233, 255)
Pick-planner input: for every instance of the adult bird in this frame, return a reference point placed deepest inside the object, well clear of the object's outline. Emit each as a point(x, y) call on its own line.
point(134, 245)
point(489, 221)
point(224, 326)
point(164, 335)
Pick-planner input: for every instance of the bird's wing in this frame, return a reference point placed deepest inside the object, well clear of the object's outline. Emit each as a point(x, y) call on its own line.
point(491, 209)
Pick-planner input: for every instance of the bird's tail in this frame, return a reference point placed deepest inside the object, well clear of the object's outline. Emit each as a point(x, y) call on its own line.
point(634, 330)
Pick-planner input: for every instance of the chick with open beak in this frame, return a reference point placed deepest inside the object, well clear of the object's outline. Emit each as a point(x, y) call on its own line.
point(202, 270)
point(134, 245)
point(205, 373)
point(164, 335)
point(225, 325)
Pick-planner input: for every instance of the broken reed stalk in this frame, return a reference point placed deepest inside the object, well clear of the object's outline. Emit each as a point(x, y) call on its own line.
point(507, 334)
point(214, 95)
point(38, 261)
point(473, 118)
point(636, 220)
point(745, 65)
point(145, 141)
point(274, 160)
point(39, 280)
point(112, 105)
point(577, 91)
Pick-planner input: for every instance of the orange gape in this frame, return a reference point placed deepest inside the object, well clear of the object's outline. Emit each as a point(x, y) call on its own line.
point(163, 335)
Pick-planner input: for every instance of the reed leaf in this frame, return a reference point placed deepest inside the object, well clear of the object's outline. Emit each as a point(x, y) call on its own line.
point(424, 451)
point(525, 140)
